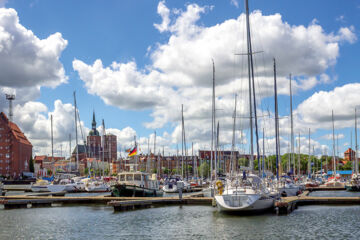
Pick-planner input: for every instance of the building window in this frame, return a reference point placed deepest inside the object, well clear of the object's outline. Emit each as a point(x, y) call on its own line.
point(7, 155)
point(1, 161)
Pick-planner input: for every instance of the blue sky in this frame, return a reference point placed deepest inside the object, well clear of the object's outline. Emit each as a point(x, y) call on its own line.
point(123, 31)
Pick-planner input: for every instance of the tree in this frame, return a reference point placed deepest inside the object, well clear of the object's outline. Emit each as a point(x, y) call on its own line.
point(204, 169)
point(31, 164)
point(86, 171)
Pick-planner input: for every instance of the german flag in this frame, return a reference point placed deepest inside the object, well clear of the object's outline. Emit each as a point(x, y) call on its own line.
point(133, 152)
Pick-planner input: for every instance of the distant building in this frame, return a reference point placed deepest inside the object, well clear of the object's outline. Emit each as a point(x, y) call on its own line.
point(93, 141)
point(110, 149)
point(349, 155)
point(15, 149)
point(94, 144)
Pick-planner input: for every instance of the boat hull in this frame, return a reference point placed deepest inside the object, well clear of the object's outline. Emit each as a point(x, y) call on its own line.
point(170, 188)
point(39, 189)
point(243, 203)
point(122, 190)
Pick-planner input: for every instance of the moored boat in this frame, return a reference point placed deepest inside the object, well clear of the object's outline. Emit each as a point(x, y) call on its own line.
point(249, 196)
point(136, 184)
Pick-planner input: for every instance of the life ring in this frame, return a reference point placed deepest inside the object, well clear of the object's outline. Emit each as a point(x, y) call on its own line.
point(220, 186)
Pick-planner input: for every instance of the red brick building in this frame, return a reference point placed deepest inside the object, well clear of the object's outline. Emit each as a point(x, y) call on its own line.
point(110, 149)
point(15, 149)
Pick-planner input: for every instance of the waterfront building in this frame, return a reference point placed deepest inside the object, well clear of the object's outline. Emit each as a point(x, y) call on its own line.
point(94, 144)
point(349, 155)
point(15, 149)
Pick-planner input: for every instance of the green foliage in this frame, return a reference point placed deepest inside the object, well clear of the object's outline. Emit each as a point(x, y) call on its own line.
point(244, 162)
point(86, 171)
point(49, 172)
point(174, 172)
point(347, 166)
point(166, 171)
point(204, 169)
point(31, 164)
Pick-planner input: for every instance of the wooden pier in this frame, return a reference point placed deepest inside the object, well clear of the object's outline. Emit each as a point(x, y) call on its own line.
point(287, 204)
point(25, 201)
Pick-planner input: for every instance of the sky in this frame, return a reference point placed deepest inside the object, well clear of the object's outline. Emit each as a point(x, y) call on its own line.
point(136, 62)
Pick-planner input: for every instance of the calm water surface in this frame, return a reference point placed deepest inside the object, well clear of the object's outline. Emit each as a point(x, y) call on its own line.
point(175, 222)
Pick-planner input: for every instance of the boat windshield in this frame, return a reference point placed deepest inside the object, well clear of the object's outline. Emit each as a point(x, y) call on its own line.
point(129, 177)
point(122, 177)
point(137, 177)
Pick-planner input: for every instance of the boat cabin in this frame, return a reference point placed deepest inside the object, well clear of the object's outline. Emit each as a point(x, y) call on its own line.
point(139, 179)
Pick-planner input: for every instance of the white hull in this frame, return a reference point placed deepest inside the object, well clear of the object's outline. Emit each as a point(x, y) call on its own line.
point(39, 188)
point(207, 192)
point(243, 203)
point(97, 188)
point(56, 188)
point(173, 189)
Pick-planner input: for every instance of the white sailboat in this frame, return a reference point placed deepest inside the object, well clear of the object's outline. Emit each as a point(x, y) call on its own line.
point(249, 193)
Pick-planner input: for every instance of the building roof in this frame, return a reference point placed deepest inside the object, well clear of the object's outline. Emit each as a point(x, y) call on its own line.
point(56, 158)
point(41, 158)
point(81, 149)
point(342, 172)
point(15, 130)
point(349, 150)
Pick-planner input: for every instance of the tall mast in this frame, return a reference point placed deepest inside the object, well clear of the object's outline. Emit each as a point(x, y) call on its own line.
point(292, 130)
point(76, 134)
point(333, 130)
point(148, 157)
point(356, 147)
point(299, 168)
point(250, 75)
point(182, 141)
point(212, 123)
point(263, 156)
point(309, 163)
point(232, 163)
point(52, 144)
point(70, 150)
point(217, 157)
point(103, 146)
point(154, 148)
point(351, 154)
point(276, 123)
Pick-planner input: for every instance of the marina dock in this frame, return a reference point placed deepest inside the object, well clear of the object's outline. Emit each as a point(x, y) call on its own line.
point(283, 206)
point(18, 201)
point(288, 204)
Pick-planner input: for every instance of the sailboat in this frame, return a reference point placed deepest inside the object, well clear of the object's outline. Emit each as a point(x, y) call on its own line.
point(247, 193)
point(334, 181)
point(354, 184)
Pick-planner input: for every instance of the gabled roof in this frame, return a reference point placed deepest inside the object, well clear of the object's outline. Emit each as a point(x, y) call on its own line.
point(81, 148)
point(349, 150)
point(40, 158)
point(15, 130)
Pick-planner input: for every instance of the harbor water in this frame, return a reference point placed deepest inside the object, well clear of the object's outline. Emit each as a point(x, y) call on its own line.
point(179, 222)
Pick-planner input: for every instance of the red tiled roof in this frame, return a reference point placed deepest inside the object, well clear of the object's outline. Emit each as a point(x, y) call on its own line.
point(15, 130)
point(349, 150)
point(40, 158)
point(56, 158)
